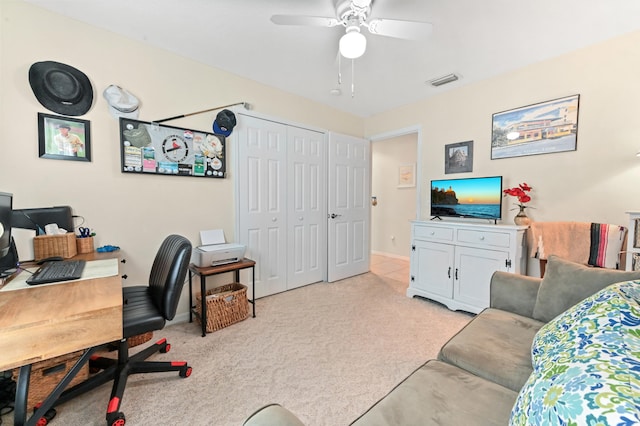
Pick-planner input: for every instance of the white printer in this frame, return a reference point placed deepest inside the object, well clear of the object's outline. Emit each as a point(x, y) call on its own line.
point(215, 251)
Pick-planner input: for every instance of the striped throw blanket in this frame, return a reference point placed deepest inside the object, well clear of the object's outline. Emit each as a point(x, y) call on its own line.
point(606, 244)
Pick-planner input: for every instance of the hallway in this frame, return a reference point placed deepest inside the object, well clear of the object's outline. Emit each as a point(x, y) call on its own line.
point(390, 267)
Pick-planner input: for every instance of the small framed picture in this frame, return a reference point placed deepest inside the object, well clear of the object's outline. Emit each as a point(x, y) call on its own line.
point(458, 157)
point(407, 175)
point(64, 138)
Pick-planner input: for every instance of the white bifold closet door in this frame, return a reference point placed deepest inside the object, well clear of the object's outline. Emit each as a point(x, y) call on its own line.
point(281, 190)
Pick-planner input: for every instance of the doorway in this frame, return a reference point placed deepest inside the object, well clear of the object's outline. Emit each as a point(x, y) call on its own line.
point(395, 192)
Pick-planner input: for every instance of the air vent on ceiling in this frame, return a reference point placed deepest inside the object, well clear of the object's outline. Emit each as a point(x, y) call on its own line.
point(449, 78)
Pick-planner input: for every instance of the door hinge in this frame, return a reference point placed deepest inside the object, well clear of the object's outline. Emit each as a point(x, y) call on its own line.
point(507, 263)
point(413, 278)
point(413, 247)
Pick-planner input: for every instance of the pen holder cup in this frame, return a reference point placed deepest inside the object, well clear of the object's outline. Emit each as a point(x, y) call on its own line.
point(85, 245)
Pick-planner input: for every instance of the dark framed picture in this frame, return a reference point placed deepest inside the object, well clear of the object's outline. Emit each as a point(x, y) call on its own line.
point(64, 138)
point(458, 157)
point(543, 128)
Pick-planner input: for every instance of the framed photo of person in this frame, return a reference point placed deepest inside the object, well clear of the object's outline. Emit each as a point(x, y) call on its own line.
point(64, 138)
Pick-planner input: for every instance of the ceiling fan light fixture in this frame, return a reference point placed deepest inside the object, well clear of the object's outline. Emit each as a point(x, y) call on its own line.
point(353, 43)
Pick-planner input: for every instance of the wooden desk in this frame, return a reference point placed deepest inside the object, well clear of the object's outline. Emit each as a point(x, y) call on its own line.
point(42, 322)
point(207, 271)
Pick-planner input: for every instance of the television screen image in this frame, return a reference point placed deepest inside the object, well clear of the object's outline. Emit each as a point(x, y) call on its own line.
point(470, 197)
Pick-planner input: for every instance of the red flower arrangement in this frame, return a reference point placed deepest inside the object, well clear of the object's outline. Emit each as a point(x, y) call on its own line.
point(520, 192)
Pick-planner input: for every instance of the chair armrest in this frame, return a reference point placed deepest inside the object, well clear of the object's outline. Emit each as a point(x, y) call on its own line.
point(514, 293)
point(273, 414)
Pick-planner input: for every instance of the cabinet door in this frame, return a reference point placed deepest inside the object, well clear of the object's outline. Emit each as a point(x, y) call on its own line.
point(472, 274)
point(432, 268)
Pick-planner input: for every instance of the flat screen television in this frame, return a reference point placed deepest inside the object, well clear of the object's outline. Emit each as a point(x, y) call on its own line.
point(479, 198)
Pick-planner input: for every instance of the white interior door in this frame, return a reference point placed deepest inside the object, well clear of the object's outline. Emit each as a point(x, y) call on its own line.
point(349, 214)
point(306, 206)
point(262, 203)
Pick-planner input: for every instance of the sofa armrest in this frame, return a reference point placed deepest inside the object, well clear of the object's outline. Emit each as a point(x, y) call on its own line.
point(273, 414)
point(514, 293)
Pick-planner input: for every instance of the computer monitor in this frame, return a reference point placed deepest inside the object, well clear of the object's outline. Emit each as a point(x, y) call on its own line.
point(38, 218)
point(7, 255)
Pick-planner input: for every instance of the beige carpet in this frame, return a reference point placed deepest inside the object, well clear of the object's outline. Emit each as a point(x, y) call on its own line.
point(325, 351)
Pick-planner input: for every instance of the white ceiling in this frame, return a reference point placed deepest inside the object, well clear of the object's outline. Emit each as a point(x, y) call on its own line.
point(474, 39)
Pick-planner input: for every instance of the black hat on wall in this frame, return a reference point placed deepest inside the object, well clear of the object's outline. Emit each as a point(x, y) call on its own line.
point(61, 88)
point(224, 123)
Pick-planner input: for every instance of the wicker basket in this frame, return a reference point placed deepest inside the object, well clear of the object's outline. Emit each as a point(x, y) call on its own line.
point(226, 305)
point(84, 245)
point(55, 245)
point(139, 339)
point(46, 375)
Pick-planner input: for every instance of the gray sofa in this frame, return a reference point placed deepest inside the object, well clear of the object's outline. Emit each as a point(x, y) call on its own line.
point(486, 374)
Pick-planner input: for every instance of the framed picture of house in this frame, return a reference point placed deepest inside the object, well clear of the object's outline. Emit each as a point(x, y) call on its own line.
point(458, 157)
point(542, 128)
point(64, 138)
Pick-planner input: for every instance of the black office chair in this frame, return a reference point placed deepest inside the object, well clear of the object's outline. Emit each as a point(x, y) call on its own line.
point(145, 309)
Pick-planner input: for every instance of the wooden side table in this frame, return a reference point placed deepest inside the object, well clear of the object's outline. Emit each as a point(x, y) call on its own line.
point(207, 271)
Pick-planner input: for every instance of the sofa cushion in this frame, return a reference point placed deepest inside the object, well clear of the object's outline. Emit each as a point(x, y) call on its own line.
point(586, 364)
point(441, 394)
point(566, 283)
point(273, 414)
point(495, 345)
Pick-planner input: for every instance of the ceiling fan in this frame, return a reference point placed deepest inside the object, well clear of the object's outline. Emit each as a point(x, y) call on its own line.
point(353, 14)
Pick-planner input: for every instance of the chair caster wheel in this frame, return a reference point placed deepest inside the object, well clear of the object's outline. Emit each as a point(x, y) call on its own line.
point(116, 419)
point(185, 372)
point(48, 416)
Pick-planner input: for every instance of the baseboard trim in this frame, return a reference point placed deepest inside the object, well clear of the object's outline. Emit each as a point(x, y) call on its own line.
point(395, 256)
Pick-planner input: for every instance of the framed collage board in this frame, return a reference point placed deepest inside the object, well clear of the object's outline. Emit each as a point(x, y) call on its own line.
point(153, 148)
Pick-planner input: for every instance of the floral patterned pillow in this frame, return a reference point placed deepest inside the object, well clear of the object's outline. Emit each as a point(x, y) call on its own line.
point(586, 364)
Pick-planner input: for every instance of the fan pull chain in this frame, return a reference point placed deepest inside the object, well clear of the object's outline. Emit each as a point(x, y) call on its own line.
point(339, 69)
point(353, 78)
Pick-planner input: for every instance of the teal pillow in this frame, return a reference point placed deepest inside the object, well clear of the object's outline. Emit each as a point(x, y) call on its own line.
point(586, 364)
point(566, 283)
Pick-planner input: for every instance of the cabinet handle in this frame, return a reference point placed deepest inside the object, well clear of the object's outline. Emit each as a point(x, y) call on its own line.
point(456, 273)
point(449, 272)
point(432, 233)
point(482, 238)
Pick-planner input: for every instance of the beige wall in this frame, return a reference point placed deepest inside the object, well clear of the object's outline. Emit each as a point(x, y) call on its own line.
point(134, 212)
point(390, 219)
point(598, 182)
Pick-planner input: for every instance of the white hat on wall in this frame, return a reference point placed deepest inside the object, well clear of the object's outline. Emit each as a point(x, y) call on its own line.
point(122, 103)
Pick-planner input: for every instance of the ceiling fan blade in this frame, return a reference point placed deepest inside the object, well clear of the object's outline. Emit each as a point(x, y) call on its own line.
point(411, 30)
point(312, 21)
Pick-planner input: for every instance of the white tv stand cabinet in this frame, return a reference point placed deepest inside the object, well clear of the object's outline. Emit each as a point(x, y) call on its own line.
point(452, 262)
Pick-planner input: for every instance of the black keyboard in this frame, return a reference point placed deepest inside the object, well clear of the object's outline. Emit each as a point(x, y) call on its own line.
point(52, 272)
